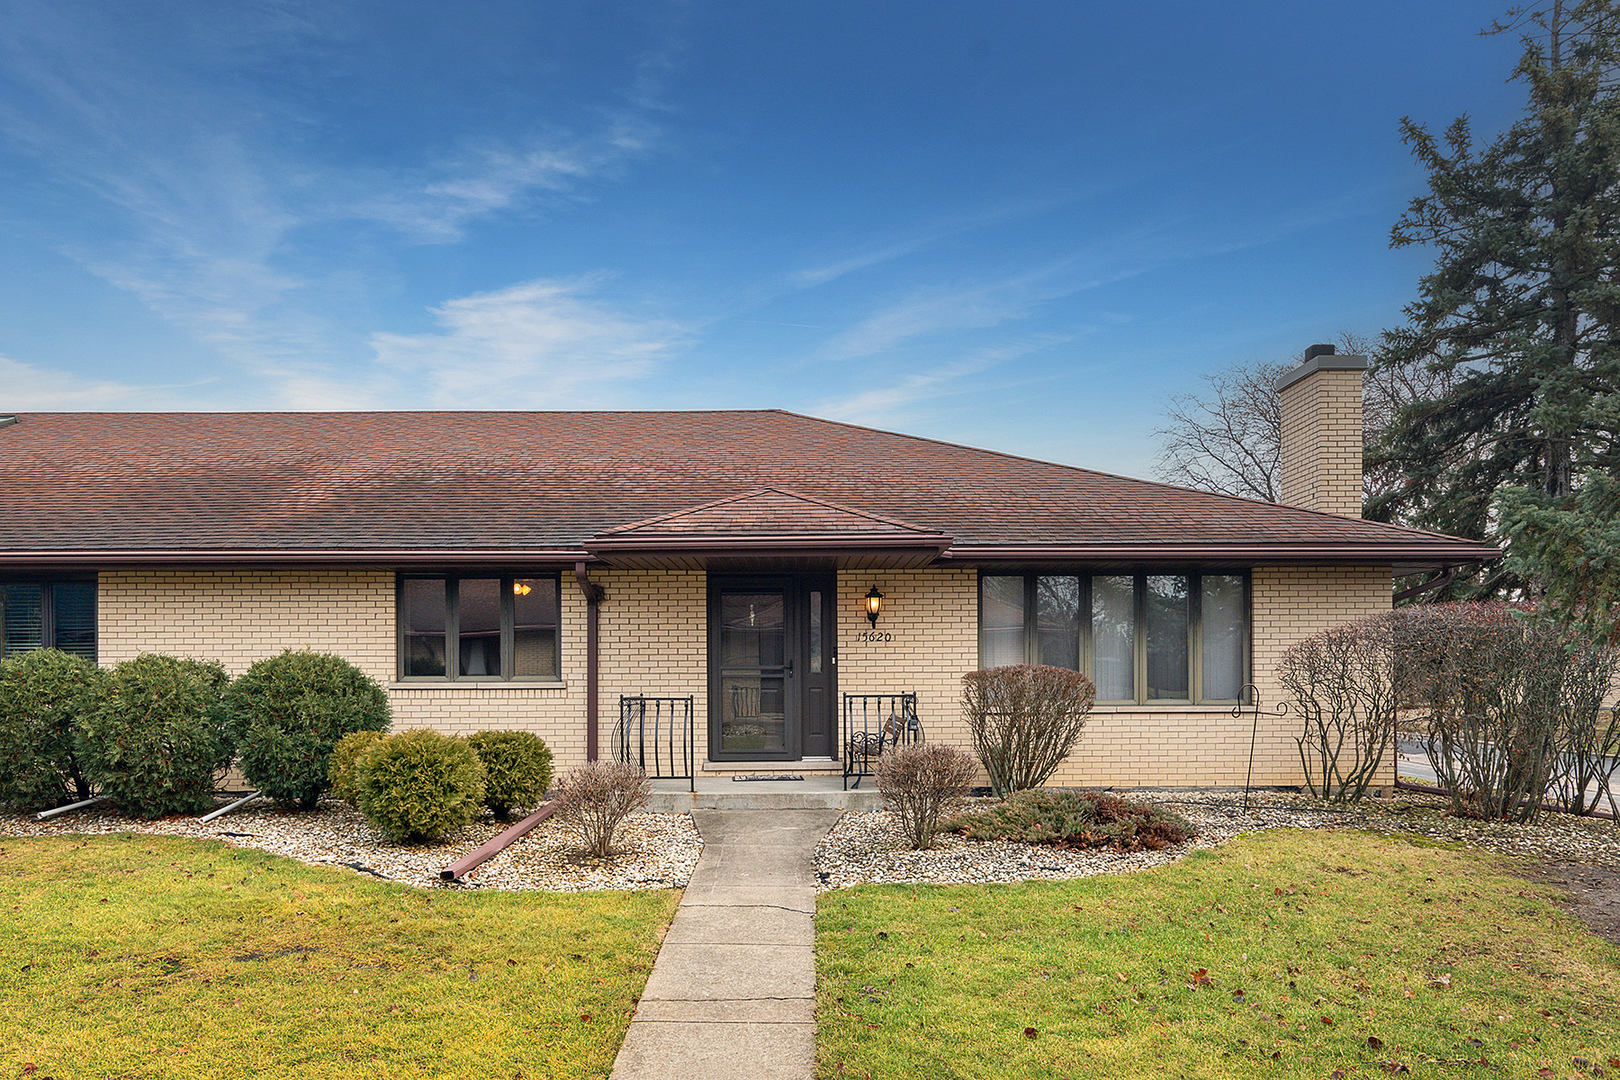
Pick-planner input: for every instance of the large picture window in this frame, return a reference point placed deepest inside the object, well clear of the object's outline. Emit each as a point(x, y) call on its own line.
point(1140, 637)
point(58, 614)
point(478, 627)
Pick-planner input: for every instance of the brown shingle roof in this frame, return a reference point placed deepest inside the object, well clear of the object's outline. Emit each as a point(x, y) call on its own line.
point(458, 482)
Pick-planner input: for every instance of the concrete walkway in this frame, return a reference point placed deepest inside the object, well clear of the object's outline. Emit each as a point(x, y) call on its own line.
point(733, 991)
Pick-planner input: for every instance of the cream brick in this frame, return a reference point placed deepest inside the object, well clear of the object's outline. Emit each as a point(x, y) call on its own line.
point(654, 642)
point(1321, 443)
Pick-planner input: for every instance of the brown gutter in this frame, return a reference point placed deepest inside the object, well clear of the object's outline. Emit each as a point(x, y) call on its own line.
point(593, 604)
point(1440, 554)
point(293, 557)
point(496, 844)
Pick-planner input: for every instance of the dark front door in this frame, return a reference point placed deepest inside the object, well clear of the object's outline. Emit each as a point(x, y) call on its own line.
point(772, 673)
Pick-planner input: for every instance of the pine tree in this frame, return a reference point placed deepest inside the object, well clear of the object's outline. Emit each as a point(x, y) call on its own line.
point(1522, 309)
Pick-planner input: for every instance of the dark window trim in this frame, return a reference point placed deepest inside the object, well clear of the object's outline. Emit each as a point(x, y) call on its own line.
point(452, 627)
point(1195, 640)
point(47, 614)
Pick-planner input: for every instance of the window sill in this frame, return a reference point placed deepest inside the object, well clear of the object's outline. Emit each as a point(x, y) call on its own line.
point(1170, 706)
point(478, 684)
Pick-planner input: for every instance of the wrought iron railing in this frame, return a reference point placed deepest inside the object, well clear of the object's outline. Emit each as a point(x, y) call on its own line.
point(656, 734)
point(873, 723)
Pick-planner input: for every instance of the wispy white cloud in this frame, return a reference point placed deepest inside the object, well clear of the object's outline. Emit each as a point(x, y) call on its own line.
point(541, 344)
point(437, 203)
point(935, 311)
point(205, 192)
point(919, 239)
point(30, 388)
point(893, 404)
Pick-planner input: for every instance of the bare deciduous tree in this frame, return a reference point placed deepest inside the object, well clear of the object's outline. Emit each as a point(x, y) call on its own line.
point(1228, 439)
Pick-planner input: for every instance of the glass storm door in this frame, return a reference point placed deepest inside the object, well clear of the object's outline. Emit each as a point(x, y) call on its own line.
point(770, 668)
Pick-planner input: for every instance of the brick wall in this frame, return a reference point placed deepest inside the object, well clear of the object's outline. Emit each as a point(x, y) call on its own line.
point(932, 616)
point(930, 638)
point(240, 616)
point(654, 641)
point(1321, 443)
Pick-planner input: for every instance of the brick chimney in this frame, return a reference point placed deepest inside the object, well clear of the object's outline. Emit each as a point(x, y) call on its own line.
point(1321, 432)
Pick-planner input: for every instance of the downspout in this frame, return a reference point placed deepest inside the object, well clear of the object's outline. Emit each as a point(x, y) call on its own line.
point(593, 603)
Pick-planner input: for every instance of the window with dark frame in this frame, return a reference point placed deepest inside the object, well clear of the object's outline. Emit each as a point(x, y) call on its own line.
point(479, 627)
point(48, 614)
point(1142, 638)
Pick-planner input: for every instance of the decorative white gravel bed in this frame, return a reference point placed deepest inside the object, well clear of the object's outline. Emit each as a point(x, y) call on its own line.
point(658, 850)
point(868, 847)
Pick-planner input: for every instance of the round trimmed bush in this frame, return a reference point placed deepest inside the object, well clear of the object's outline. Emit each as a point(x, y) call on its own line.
point(517, 769)
point(344, 768)
point(287, 712)
point(43, 693)
point(156, 735)
point(420, 785)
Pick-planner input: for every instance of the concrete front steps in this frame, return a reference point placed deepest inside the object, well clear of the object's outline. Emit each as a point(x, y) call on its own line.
point(719, 788)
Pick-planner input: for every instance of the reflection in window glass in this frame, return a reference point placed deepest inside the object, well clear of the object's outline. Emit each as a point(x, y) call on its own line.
point(1221, 621)
point(1057, 627)
point(74, 617)
point(1113, 638)
point(480, 626)
point(423, 620)
point(1001, 607)
point(22, 607)
point(752, 629)
point(815, 632)
point(534, 627)
point(1168, 618)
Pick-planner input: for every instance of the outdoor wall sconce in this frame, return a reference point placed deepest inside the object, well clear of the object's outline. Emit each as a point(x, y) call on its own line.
point(874, 605)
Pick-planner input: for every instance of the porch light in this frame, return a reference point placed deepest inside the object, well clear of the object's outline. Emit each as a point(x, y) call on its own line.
point(874, 605)
point(521, 588)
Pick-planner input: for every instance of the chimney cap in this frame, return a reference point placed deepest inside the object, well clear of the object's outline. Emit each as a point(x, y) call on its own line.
point(1317, 361)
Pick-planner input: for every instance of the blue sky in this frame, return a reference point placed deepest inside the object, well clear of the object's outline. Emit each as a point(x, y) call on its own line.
point(1018, 225)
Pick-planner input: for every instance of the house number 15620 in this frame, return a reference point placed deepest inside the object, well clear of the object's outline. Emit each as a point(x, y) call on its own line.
point(876, 635)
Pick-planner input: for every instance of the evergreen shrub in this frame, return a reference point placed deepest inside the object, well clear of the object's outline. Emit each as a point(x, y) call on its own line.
point(517, 769)
point(156, 736)
point(420, 785)
point(287, 712)
point(344, 768)
point(43, 693)
point(1075, 819)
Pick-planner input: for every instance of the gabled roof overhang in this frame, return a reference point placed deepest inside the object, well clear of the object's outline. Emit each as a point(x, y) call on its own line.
point(769, 525)
point(702, 552)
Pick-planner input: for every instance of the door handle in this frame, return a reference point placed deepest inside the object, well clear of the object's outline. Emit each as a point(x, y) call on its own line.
point(789, 671)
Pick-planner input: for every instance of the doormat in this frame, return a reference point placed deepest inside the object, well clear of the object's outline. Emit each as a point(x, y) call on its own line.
point(764, 776)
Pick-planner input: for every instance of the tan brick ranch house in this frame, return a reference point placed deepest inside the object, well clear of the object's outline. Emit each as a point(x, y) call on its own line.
point(526, 570)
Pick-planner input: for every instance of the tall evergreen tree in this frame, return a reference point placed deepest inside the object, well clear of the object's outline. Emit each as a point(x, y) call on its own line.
point(1522, 309)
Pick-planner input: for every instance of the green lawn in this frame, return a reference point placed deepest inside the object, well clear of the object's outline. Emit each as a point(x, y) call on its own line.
point(1295, 953)
point(138, 956)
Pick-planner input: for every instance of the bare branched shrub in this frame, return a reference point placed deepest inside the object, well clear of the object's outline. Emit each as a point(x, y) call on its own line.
point(1024, 720)
point(922, 784)
point(1587, 742)
point(592, 800)
point(1512, 706)
point(1343, 684)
